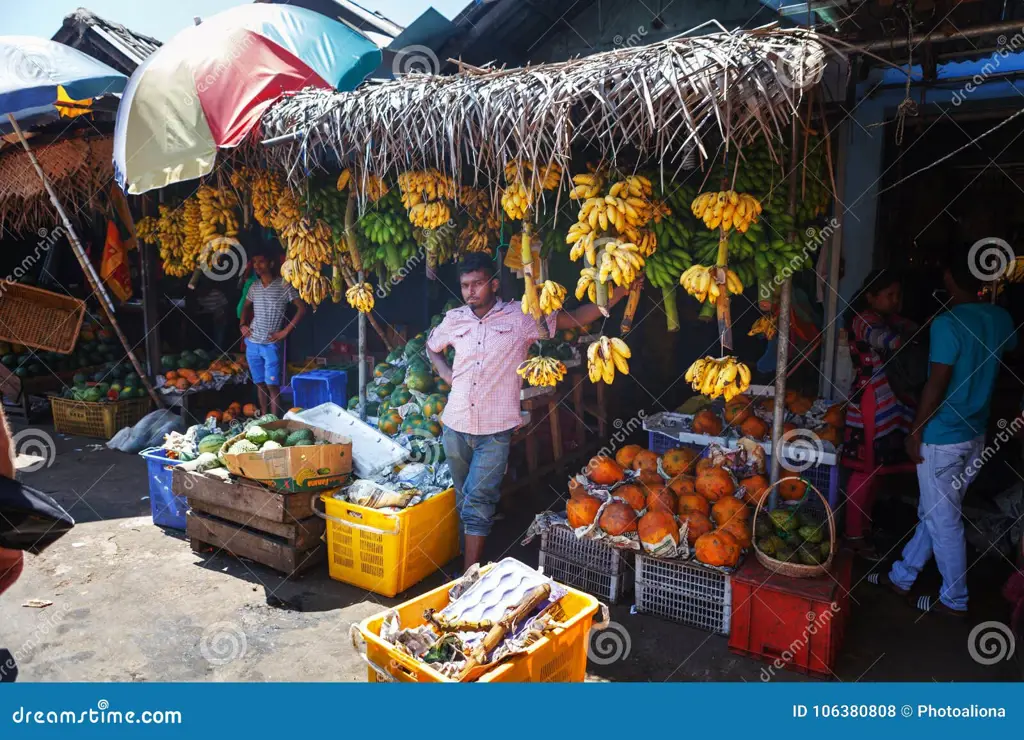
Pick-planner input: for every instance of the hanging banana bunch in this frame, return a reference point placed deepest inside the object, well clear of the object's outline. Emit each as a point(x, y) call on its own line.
point(266, 190)
point(621, 262)
point(725, 376)
point(524, 186)
point(587, 284)
point(701, 282)
point(552, 297)
point(542, 371)
point(764, 325)
point(605, 356)
point(360, 297)
point(727, 209)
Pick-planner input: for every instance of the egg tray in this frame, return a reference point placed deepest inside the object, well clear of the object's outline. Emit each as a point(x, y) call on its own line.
point(500, 588)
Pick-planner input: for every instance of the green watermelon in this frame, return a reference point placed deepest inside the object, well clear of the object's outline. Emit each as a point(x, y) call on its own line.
point(212, 443)
point(92, 395)
point(420, 381)
point(299, 437)
point(203, 356)
point(131, 379)
point(9, 360)
point(169, 362)
point(434, 404)
point(103, 388)
point(187, 361)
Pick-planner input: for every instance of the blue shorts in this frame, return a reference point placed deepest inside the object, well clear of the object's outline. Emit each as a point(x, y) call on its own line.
point(264, 362)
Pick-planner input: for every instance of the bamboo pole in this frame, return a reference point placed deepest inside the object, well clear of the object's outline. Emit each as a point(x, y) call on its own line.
point(83, 260)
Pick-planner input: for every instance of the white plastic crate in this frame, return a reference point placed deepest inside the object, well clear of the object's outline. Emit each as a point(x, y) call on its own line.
point(684, 592)
point(592, 567)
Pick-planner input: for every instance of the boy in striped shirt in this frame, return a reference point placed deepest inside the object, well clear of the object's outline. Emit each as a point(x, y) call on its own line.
point(262, 316)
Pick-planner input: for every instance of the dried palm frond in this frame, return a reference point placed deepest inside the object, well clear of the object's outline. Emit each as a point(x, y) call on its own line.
point(661, 102)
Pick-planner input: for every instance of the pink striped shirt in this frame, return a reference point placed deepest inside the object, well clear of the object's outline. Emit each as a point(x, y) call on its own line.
point(485, 387)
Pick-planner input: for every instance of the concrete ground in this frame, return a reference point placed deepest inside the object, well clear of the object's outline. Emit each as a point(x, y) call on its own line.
point(132, 602)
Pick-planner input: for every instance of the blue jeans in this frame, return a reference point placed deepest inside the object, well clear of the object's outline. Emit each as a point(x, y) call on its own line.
point(264, 362)
point(943, 477)
point(478, 463)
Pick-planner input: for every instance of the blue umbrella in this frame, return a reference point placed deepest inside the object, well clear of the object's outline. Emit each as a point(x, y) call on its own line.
point(38, 80)
point(36, 73)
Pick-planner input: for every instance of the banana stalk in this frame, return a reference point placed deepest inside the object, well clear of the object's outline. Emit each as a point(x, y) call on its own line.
point(528, 277)
point(632, 304)
point(350, 231)
point(601, 296)
point(668, 294)
point(722, 305)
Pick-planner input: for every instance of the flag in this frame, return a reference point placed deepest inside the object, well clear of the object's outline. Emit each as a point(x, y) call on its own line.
point(114, 270)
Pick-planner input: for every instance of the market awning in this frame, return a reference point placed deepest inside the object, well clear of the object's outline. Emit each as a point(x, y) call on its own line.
point(661, 101)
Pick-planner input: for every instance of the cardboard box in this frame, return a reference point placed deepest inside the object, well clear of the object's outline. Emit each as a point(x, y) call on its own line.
point(291, 469)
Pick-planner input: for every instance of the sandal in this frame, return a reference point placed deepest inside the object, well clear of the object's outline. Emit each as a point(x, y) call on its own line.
point(864, 549)
point(882, 579)
point(934, 606)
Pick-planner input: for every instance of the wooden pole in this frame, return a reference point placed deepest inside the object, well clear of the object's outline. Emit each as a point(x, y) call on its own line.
point(83, 259)
point(357, 264)
point(782, 353)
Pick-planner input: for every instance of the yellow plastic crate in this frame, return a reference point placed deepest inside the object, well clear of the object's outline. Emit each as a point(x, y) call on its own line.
point(387, 553)
point(101, 419)
point(558, 657)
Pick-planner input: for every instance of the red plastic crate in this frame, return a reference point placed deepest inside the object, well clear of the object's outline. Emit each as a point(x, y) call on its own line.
point(790, 622)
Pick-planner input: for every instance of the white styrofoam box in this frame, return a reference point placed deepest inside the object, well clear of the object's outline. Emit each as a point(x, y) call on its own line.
point(372, 451)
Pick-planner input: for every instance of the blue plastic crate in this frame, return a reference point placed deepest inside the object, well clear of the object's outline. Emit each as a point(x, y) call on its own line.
point(168, 510)
point(315, 387)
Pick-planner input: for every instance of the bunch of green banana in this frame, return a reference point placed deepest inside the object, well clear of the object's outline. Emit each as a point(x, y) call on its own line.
point(664, 267)
point(386, 222)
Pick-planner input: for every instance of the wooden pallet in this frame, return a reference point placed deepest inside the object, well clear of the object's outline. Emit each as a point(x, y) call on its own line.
point(275, 529)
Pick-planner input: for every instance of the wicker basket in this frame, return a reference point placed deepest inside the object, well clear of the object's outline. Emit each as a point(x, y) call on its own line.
point(94, 418)
point(40, 319)
point(796, 570)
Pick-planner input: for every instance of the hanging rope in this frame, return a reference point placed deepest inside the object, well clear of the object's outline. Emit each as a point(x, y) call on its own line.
point(908, 107)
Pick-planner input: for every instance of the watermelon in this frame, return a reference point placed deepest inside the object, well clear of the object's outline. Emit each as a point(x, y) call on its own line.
point(103, 387)
point(187, 361)
point(92, 395)
point(9, 360)
point(169, 362)
point(21, 372)
point(420, 381)
point(203, 356)
point(266, 419)
point(212, 443)
point(131, 379)
point(278, 435)
point(299, 437)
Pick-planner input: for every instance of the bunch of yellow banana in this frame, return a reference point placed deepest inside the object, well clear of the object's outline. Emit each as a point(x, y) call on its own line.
point(423, 186)
point(474, 239)
point(516, 200)
point(621, 262)
point(344, 179)
point(587, 284)
point(701, 283)
point(266, 191)
point(725, 376)
point(287, 210)
point(306, 278)
point(1015, 271)
point(581, 235)
point(635, 185)
point(542, 371)
point(552, 296)
point(659, 210)
point(193, 224)
point(605, 356)
point(148, 229)
point(764, 325)
point(431, 215)
point(360, 297)
point(727, 209)
point(216, 209)
point(315, 290)
point(647, 241)
point(311, 242)
point(589, 185)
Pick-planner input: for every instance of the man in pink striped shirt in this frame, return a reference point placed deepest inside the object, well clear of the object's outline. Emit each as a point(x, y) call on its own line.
point(491, 338)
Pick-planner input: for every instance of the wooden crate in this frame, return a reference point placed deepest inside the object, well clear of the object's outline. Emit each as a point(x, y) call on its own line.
point(275, 529)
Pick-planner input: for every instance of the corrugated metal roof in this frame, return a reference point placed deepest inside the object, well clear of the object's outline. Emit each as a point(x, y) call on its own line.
point(117, 45)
